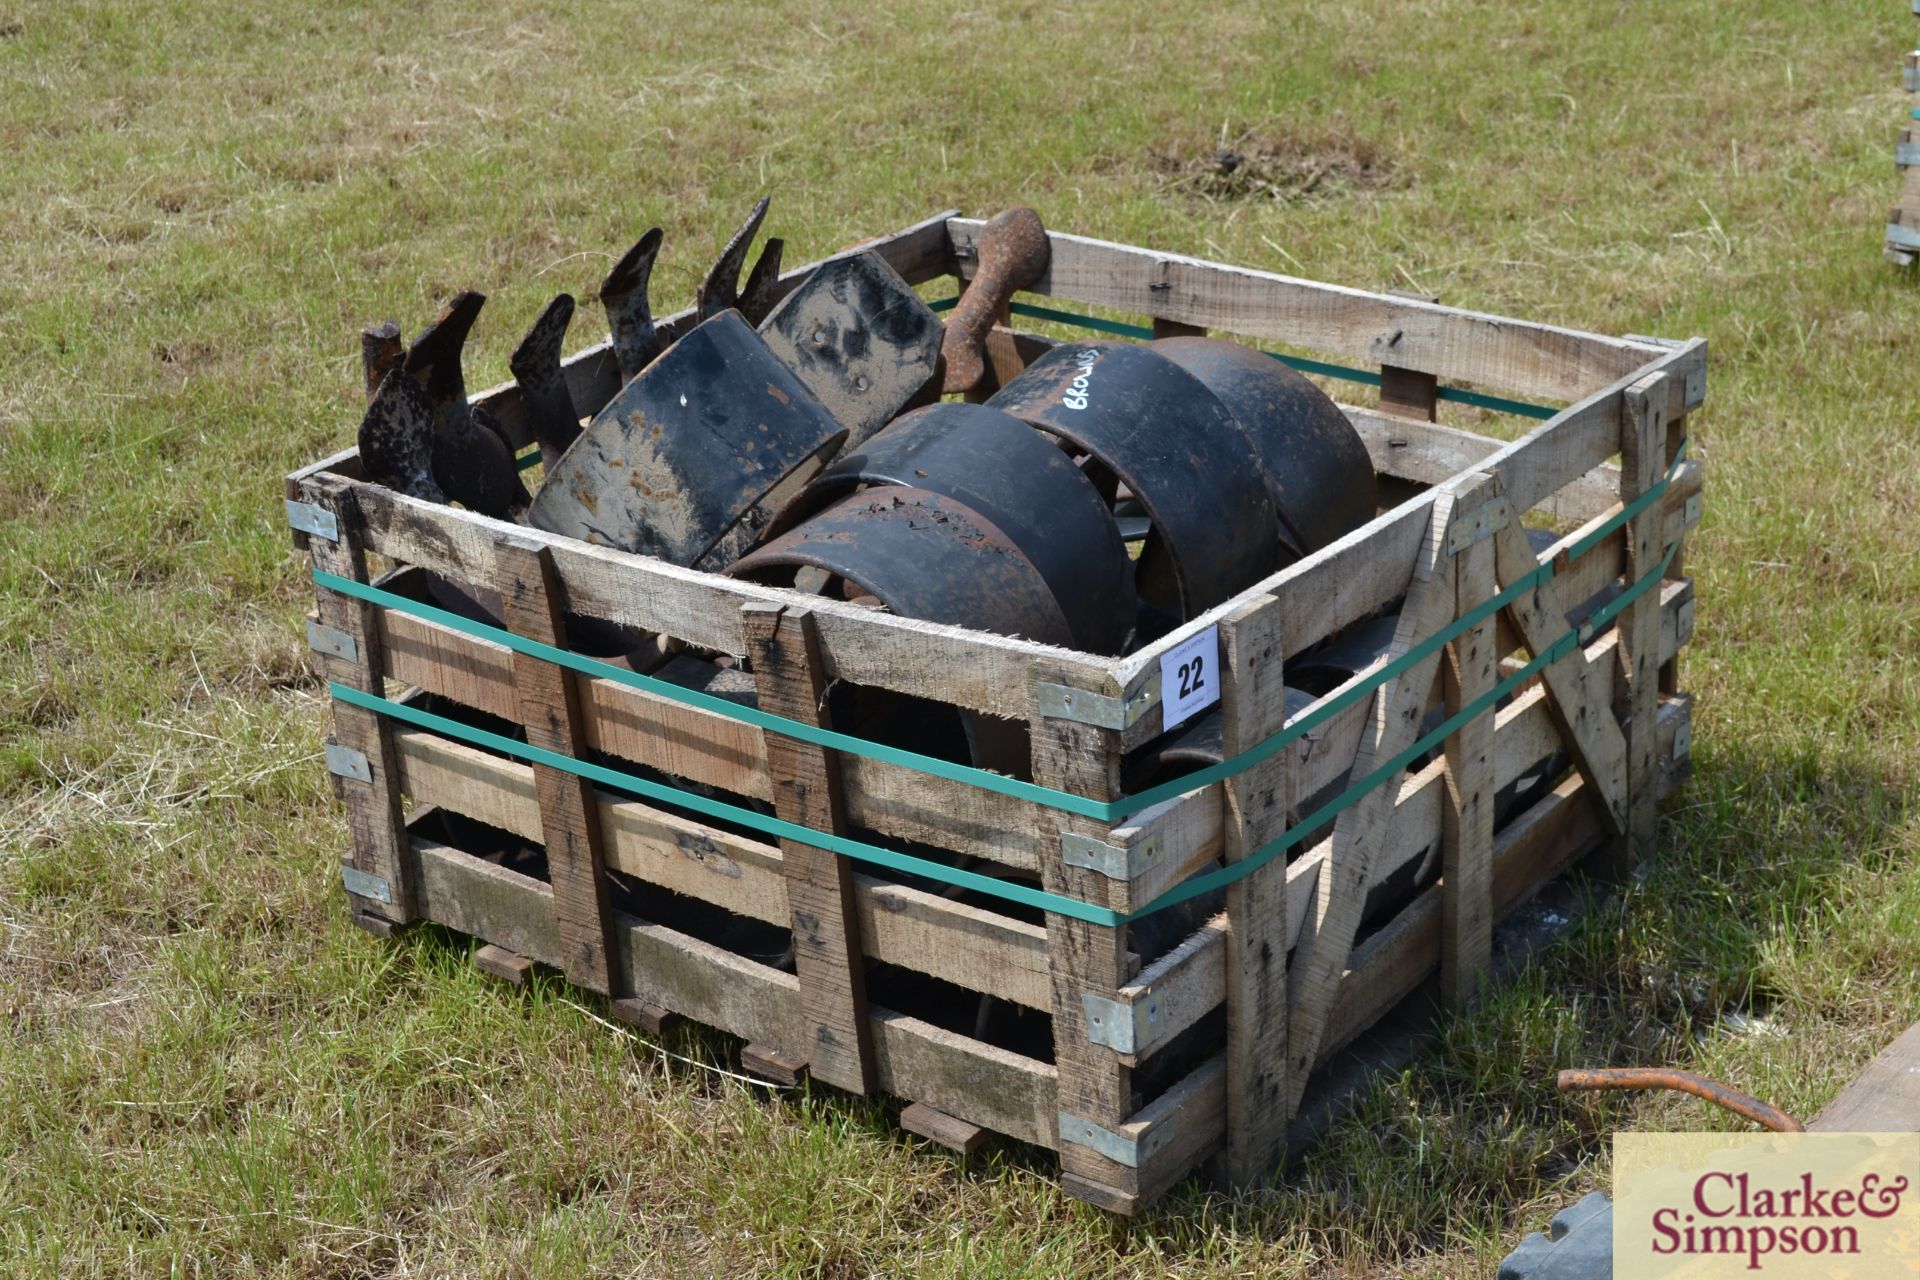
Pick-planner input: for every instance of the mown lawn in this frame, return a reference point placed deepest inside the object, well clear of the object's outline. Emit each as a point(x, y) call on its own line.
point(206, 1071)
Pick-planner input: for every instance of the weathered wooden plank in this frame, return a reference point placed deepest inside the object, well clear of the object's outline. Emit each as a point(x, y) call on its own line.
point(905, 926)
point(1255, 805)
point(1359, 832)
point(1466, 811)
point(1367, 328)
point(549, 709)
point(375, 819)
point(1643, 439)
point(1189, 981)
point(702, 747)
point(508, 966)
point(973, 669)
point(1539, 619)
point(769, 1063)
point(1088, 961)
point(807, 792)
point(1409, 393)
point(937, 1126)
point(1187, 825)
point(964, 1077)
point(1184, 1125)
point(1884, 1098)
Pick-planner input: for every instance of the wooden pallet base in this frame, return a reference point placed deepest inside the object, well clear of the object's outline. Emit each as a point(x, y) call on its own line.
point(650, 1018)
point(378, 926)
point(503, 964)
point(936, 1125)
point(769, 1063)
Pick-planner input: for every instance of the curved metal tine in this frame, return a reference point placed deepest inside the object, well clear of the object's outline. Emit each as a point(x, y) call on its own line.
point(629, 313)
point(721, 288)
point(381, 352)
point(758, 295)
point(397, 438)
point(434, 358)
point(543, 383)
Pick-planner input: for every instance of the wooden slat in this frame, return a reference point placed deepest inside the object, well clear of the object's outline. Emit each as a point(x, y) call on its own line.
point(1189, 981)
point(973, 669)
point(936, 1125)
point(1885, 1098)
point(716, 751)
point(806, 792)
point(1188, 825)
point(988, 1086)
point(1087, 959)
point(508, 966)
point(1643, 437)
point(1255, 805)
point(905, 926)
point(1539, 619)
point(1409, 393)
point(1366, 328)
point(1466, 813)
point(1360, 830)
point(1191, 1114)
point(375, 819)
point(1534, 849)
point(549, 708)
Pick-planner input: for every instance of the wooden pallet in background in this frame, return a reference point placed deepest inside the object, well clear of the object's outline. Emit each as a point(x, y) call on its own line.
point(1903, 223)
point(1135, 1069)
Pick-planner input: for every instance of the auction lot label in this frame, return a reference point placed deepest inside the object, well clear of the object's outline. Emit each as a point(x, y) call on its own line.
point(1779, 1205)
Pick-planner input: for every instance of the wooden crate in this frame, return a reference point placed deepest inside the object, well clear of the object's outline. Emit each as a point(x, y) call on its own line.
point(1903, 224)
point(1260, 994)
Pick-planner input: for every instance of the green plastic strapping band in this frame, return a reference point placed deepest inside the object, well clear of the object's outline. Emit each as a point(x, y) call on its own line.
point(1006, 890)
point(1360, 687)
point(757, 821)
point(1478, 399)
point(1329, 706)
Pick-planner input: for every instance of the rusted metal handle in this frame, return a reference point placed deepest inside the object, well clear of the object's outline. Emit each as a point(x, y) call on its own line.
point(1751, 1108)
point(1012, 252)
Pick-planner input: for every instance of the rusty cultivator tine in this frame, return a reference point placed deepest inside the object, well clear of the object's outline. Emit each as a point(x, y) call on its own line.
point(543, 384)
point(721, 288)
point(472, 460)
point(396, 436)
point(381, 352)
point(629, 315)
point(434, 358)
point(757, 295)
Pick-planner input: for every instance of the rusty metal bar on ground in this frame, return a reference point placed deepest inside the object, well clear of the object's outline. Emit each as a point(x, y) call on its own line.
point(1741, 1104)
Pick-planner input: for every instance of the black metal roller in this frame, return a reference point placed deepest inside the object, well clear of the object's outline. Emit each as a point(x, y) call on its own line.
point(1159, 431)
point(1018, 480)
point(922, 555)
point(1317, 468)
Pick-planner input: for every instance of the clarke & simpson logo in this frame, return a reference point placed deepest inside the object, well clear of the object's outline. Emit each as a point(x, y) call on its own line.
point(1781, 1205)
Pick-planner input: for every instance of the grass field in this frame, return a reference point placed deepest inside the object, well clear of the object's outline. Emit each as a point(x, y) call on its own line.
point(205, 1071)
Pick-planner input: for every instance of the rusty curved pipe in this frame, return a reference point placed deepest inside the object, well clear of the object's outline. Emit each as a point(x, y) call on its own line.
point(1751, 1108)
